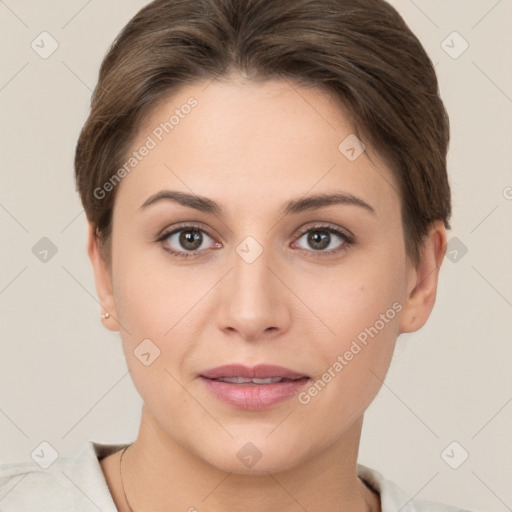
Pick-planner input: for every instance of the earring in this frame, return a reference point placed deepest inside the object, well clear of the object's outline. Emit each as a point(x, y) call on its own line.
point(106, 315)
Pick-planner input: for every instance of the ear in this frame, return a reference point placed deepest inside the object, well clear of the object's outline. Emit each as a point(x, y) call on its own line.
point(102, 279)
point(422, 280)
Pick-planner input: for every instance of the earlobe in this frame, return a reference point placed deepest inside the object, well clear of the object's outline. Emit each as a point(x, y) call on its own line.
point(103, 281)
point(422, 284)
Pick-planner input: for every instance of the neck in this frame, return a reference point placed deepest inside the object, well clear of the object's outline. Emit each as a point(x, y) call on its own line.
point(159, 474)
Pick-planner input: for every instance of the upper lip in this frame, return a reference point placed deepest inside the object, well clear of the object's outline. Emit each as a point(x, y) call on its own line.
point(260, 371)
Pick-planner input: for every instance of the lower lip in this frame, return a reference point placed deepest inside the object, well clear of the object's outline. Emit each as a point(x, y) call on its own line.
point(254, 397)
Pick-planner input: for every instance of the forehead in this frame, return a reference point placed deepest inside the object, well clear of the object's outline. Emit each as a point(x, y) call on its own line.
point(239, 142)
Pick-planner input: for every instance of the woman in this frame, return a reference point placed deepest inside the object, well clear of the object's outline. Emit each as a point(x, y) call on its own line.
point(266, 189)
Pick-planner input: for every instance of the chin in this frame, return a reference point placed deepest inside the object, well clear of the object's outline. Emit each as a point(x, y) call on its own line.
point(257, 457)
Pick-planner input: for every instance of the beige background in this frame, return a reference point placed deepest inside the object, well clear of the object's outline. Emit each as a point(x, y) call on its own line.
point(63, 376)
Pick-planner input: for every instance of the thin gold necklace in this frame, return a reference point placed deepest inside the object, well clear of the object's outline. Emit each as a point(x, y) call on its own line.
point(121, 475)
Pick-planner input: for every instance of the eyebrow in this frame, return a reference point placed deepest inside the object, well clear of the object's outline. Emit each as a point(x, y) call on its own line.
point(294, 206)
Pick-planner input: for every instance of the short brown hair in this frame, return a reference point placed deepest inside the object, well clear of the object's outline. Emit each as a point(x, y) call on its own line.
point(361, 51)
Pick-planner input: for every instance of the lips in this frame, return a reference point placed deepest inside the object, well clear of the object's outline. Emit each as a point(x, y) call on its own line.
point(261, 372)
point(243, 380)
point(253, 388)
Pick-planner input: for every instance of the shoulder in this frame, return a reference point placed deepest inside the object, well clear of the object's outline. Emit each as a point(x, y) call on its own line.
point(66, 483)
point(393, 498)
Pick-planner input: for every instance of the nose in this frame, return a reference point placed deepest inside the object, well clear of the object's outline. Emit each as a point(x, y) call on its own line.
point(254, 302)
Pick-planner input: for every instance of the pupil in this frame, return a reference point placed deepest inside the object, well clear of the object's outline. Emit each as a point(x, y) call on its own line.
point(319, 237)
point(188, 239)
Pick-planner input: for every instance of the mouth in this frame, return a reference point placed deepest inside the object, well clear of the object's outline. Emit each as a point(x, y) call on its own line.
point(253, 388)
point(258, 374)
point(244, 380)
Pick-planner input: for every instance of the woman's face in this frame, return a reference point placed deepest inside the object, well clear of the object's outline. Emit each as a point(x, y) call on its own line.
point(271, 277)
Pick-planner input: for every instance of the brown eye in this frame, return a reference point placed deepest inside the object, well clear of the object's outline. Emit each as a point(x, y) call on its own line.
point(325, 240)
point(186, 241)
point(318, 240)
point(190, 239)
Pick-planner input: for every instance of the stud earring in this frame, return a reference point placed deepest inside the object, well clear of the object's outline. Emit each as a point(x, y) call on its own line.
point(106, 315)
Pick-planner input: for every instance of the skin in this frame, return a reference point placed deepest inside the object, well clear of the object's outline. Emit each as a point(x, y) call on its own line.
point(270, 142)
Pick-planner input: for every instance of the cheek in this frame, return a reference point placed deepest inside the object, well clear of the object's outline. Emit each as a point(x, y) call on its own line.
point(358, 295)
point(158, 307)
point(361, 308)
point(152, 294)
point(352, 362)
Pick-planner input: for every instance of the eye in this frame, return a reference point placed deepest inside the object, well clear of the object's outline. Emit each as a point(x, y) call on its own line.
point(190, 240)
point(320, 238)
point(185, 241)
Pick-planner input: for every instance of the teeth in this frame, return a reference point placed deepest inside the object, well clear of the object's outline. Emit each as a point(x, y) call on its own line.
point(243, 380)
point(267, 381)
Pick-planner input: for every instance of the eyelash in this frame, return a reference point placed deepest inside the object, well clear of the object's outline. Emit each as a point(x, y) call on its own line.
point(346, 239)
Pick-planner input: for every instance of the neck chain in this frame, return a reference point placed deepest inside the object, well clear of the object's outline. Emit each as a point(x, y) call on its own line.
point(121, 475)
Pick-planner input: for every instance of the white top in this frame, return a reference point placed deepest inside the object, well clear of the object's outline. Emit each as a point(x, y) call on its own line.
point(77, 483)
